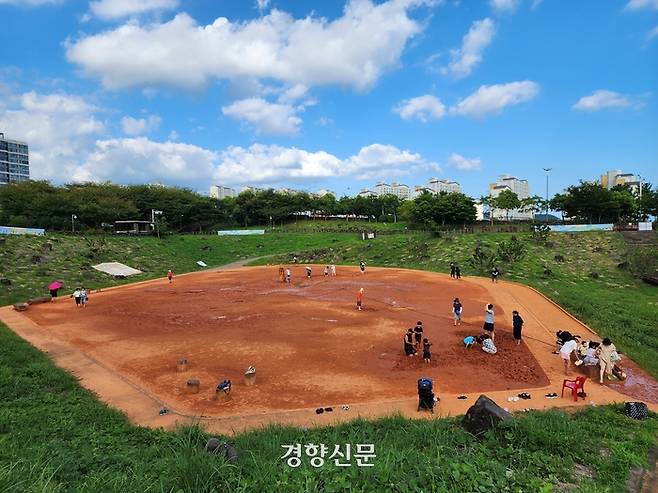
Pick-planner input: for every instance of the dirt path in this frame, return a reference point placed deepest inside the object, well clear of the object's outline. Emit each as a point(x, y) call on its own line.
point(310, 346)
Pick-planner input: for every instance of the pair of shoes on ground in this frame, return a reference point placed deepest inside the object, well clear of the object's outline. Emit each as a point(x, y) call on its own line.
point(552, 395)
point(321, 410)
point(524, 395)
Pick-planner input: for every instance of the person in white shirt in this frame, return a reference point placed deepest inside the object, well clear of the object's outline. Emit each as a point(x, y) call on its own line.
point(565, 353)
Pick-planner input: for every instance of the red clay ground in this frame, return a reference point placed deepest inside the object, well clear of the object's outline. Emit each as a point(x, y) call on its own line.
point(310, 345)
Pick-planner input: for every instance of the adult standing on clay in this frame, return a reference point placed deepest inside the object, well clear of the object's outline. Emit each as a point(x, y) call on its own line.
point(489, 321)
point(517, 325)
point(457, 311)
point(494, 274)
point(606, 353)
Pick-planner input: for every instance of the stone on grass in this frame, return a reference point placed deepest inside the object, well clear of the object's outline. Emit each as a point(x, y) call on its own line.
point(5, 282)
point(559, 258)
point(594, 275)
point(484, 415)
point(226, 450)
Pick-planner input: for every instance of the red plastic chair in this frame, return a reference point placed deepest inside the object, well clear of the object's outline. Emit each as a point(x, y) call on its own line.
point(576, 386)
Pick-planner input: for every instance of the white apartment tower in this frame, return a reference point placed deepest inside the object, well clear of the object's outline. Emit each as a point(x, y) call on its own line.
point(519, 187)
point(219, 192)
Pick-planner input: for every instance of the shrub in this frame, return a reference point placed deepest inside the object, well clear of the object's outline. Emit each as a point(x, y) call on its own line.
point(512, 250)
point(483, 258)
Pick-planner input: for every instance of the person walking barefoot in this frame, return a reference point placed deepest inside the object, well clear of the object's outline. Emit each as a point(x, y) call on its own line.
point(457, 311)
point(517, 325)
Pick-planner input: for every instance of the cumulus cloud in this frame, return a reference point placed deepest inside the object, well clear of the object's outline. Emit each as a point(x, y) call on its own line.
point(117, 9)
point(465, 59)
point(491, 100)
point(504, 5)
point(642, 4)
point(140, 160)
point(139, 126)
point(460, 162)
point(353, 50)
point(263, 164)
point(602, 99)
point(59, 128)
point(423, 108)
point(265, 117)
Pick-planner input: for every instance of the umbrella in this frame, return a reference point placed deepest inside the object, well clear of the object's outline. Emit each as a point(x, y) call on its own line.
point(55, 285)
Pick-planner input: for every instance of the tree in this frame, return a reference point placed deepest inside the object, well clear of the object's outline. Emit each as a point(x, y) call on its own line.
point(490, 202)
point(508, 200)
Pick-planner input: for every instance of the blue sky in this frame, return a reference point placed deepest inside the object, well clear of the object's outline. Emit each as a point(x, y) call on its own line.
point(331, 94)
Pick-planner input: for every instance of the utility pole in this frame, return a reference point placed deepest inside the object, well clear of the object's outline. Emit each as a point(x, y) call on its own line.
point(547, 170)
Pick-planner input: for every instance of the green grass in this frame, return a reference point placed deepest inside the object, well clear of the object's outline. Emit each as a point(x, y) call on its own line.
point(56, 437)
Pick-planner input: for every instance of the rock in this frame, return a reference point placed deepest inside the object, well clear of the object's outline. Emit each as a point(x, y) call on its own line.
point(5, 282)
point(484, 415)
point(228, 451)
point(623, 265)
point(36, 259)
point(548, 272)
point(48, 246)
point(594, 275)
point(653, 280)
point(597, 249)
point(20, 307)
point(559, 258)
point(2, 240)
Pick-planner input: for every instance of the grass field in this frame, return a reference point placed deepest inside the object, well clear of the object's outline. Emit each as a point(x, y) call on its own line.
point(56, 437)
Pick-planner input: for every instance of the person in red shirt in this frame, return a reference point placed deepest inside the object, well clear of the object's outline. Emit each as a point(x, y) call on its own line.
point(170, 276)
point(359, 299)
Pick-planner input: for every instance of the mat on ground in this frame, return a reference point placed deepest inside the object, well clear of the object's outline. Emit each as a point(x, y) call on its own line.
point(116, 269)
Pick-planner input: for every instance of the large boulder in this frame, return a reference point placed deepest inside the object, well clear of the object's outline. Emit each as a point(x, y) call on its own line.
point(228, 451)
point(40, 299)
point(484, 415)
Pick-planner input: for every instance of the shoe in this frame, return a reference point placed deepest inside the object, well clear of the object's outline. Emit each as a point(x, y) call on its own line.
point(345, 407)
point(328, 409)
point(462, 397)
point(319, 410)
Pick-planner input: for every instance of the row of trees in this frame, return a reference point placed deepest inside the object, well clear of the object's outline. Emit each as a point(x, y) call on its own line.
point(40, 204)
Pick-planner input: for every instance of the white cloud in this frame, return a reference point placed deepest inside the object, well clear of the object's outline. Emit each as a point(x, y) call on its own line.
point(423, 108)
point(262, 4)
point(263, 164)
point(353, 50)
point(460, 162)
point(491, 100)
point(117, 9)
point(59, 128)
point(602, 99)
point(504, 5)
point(140, 160)
point(139, 126)
point(465, 59)
point(653, 33)
point(173, 135)
point(642, 4)
point(266, 117)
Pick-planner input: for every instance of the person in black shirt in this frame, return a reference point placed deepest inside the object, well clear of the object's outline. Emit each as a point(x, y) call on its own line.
point(494, 274)
point(517, 325)
point(458, 272)
point(418, 333)
point(409, 343)
point(452, 270)
point(427, 355)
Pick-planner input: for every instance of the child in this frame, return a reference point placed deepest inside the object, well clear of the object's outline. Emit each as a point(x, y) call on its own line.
point(288, 276)
point(359, 299)
point(487, 344)
point(362, 267)
point(308, 272)
point(282, 274)
point(427, 356)
point(457, 311)
point(333, 270)
point(170, 276)
point(517, 325)
point(468, 341)
point(458, 272)
point(494, 274)
point(409, 343)
point(84, 297)
point(489, 321)
point(567, 348)
point(326, 271)
point(453, 273)
point(76, 295)
point(418, 333)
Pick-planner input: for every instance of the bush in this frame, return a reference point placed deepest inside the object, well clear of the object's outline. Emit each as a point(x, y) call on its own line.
point(540, 233)
point(512, 250)
point(642, 261)
point(483, 258)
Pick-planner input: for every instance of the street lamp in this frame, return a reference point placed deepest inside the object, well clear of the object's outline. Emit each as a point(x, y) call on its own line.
point(547, 170)
point(73, 218)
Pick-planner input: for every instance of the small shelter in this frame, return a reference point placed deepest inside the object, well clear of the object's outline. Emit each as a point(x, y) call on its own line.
point(133, 227)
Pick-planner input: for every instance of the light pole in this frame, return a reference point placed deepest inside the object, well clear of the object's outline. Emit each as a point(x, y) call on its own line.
point(73, 218)
point(153, 214)
point(547, 170)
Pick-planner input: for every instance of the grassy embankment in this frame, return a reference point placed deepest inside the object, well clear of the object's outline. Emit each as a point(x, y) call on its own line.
point(54, 436)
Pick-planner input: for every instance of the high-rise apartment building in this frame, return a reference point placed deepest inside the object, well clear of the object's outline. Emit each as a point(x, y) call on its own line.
point(14, 161)
point(438, 186)
point(220, 192)
point(519, 187)
point(615, 177)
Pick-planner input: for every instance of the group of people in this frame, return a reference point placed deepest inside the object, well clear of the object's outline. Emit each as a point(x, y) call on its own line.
point(81, 297)
point(412, 342)
point(455, 271)
point(589, 353)
point(486, 340)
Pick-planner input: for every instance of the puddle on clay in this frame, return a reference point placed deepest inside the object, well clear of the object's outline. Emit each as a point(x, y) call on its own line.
point(638, 384)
